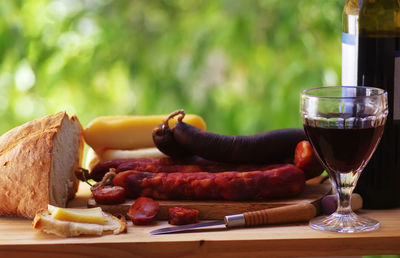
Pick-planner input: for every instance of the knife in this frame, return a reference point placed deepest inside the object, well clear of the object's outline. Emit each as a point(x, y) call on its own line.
point(287, 214)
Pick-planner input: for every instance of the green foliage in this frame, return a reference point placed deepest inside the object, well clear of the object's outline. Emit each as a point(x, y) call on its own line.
point(240, 64)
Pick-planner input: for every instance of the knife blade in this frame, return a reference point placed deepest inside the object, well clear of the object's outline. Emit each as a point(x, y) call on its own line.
point(287, 214)
point(188, 227)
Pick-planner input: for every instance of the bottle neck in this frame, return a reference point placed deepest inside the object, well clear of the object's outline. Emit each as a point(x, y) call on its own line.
point(379, 18)
point(350, 17)
point(352, 7)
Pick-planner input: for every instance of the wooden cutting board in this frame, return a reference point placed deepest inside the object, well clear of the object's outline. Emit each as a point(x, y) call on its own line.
point(209, 210)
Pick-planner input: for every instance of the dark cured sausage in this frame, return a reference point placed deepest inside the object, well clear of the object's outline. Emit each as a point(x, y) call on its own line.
point(283, 181)
point(270, 147)
point(163, 138)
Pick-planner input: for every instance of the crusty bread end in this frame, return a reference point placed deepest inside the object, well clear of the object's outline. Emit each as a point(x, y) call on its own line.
point(43, 221)
point(37, 164)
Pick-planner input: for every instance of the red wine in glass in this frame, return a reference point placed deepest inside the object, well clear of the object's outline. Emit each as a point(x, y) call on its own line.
point(344, 149)
point(344, 125)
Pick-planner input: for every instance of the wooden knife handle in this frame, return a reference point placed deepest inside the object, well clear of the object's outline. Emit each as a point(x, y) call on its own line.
point(292, 213)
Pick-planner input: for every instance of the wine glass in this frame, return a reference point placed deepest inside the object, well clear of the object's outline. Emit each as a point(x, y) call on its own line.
point(344, 125)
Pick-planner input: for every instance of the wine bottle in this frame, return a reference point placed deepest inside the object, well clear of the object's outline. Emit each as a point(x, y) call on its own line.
point(378, 65)
point(350, 42)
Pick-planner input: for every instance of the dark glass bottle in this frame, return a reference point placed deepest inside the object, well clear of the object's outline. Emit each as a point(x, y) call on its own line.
point(378, 65)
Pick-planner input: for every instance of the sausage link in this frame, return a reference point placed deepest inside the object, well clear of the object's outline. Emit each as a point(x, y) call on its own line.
point(143, 211)
point(193, 164)
point(270, 147)
point(283, 181)
point(102, 168)
point(182, 216)
point(189, 168)
point(109, 195)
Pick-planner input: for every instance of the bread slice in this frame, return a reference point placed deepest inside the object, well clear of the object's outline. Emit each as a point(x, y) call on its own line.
point(44, 222)
point(37, 164)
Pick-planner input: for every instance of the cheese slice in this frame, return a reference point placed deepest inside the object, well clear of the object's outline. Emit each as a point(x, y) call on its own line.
point(92, 215)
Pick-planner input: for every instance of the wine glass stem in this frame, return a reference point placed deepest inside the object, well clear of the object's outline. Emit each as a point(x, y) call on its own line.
point(344, 219)
point(344, 201)
point(344, 184)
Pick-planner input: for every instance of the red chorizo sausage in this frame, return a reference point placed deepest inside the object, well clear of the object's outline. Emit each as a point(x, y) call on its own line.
point(283, 181)
point(194, 164)
point(188, 168)
point(143, 211)
point(109, 195)
point(182, 216)
point(102, 168)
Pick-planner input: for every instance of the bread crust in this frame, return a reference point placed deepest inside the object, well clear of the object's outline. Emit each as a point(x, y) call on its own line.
point(25, 164)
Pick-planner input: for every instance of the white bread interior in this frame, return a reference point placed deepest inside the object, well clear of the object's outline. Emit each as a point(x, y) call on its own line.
point(44, 222)
point(37, 164)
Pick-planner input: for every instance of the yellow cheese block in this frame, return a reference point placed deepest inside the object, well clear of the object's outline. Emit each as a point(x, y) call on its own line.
point(92, 215)
point(128, 132)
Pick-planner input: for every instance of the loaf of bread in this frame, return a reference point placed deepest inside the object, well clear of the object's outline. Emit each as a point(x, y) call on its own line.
point(45, 222)
point(37, 164)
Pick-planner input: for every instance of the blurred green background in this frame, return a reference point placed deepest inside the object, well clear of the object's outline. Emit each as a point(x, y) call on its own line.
point(240, 64)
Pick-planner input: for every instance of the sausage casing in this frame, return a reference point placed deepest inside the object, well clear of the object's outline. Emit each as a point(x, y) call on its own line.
point(194, 164)
point(283, 181)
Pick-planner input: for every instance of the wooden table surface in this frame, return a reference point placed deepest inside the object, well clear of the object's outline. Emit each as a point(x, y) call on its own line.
point(18, 238)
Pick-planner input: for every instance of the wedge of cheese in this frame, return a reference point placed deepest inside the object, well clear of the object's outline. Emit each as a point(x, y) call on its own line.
point(128, 132)
point(92, 215)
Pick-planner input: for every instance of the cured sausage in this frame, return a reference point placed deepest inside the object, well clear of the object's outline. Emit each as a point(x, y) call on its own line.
point(283, 181)
point(268, 147)
point(182, 216)
point(102, 168)
point(156, 165)
point(164, 140)
point(143, 211)
point(108, 194)
point(150, 167)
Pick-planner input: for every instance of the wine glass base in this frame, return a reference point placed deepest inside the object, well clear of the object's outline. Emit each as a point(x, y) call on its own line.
point(348, 223)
